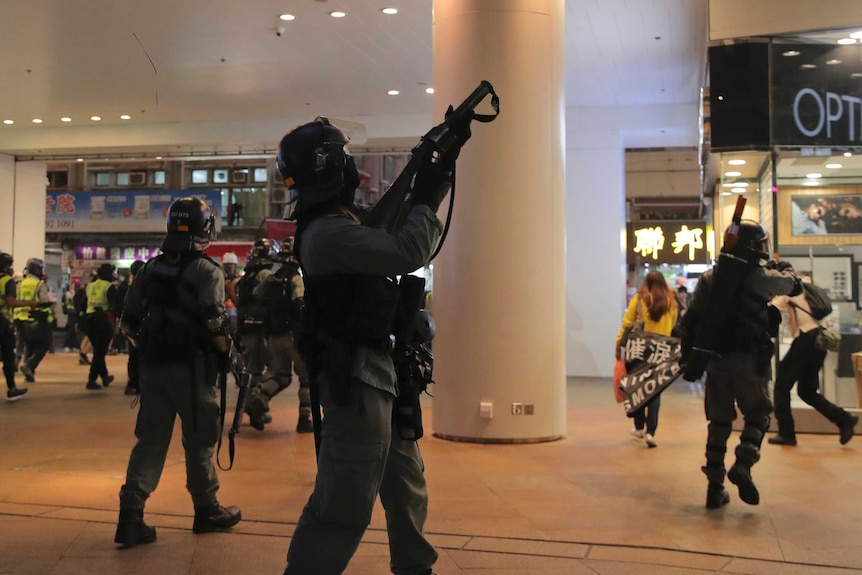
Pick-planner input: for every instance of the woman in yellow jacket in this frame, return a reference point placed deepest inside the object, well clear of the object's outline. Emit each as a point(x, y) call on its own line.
point(656, 305)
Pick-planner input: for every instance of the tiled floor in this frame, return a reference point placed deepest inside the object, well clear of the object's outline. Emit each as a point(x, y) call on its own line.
point(597, 501)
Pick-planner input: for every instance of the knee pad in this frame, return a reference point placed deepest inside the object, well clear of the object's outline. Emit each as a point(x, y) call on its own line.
point(747, 454)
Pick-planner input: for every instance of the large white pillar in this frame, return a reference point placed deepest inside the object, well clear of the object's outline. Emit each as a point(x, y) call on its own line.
point(28, 223)
point(499, 293)
point(7, 201)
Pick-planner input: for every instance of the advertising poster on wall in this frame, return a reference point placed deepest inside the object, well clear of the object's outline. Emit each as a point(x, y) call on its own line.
point(119, 210)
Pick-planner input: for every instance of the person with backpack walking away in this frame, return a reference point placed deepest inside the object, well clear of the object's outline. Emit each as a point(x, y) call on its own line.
point(802, 364)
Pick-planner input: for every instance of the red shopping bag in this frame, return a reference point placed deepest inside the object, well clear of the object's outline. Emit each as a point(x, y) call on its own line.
point(619, 372)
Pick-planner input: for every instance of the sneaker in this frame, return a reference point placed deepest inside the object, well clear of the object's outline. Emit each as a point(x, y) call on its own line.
point(106, 381)
point(67, 349)
point(846, 429)
point(130, 390)
point(16, 393)
point(741, 477)
point(215, 518)
point(93, 385)
point(781, 440)
point(131, 529)
point(304, 425)
point(29, 374)
point(637, 433)
point(716, 496)
point(650, 440)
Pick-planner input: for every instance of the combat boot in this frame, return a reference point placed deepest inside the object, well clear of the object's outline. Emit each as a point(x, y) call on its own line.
point(304, 425)
point(215, 518)
point(716, 494)
point(747, 454)
point(255, 407)
point(131, 529)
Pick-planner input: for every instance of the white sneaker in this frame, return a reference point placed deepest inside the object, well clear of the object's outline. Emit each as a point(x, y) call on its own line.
point(637, 433)
point(650, 440)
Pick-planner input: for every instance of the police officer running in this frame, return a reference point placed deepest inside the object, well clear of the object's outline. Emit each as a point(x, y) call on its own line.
point(99, 322)
point(739, 368)
point(33, 318)
point(8, 301)
point(282, 294)
point(349, 300)
point(175, 313)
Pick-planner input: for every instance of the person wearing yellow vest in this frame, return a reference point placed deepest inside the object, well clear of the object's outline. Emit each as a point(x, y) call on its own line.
point(8, 301)
point(100, 323)
point(33, 317)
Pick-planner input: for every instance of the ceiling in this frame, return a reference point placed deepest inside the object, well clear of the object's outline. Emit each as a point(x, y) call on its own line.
point(180, 65)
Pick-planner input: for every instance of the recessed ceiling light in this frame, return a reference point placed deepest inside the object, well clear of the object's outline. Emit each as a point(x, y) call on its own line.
point(95, 118)
point(338, 14)
point(65, 119)
point(393, 92)
point(791, 53)
point(80, 160)
point(8, 122)
point(726, 193)
point(848, 154)
point(813, 175)
point(736, 185)
point(37, 120)
point(721, 98)
point(732, 174)
point(429, 90)
point(287, 17)
point(856, 35)
point(158, 157)
point(390, 11)
point(808, 66)
point(834, 166)
point(809, 183)
point(833, 61)
point(846, 41)
point(125, 117)
point(736, 162)
point(738, 190)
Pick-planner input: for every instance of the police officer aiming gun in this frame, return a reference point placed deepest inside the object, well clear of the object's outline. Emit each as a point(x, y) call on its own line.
point(175, 313)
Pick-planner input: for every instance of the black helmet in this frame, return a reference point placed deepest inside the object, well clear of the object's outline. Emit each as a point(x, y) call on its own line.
point(314, 164)
point(752, 242)
point(190, 226)
point(35, 266)
point(136, 267)
point(107, 271)
point(6, 262)
point(262, 253)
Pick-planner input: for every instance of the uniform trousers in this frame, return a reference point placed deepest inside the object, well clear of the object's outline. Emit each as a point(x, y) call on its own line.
point(7, 351)
point(361, 455)
point(100, 330)
point(186, 389)
point(283, 360)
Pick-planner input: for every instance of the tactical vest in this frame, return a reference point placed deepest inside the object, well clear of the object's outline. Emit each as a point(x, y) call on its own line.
point(171, 329)
point(250, 307)
point(97, 295)
point(285, 311)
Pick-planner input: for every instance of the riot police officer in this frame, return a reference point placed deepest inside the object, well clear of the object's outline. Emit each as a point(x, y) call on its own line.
point(282, 295)
point(133, 386)
point(175, 313)
point(8, 301)
point(349, 300)
point(738, 370)
point(33, 318)
point(99, 322)
point(252, 314)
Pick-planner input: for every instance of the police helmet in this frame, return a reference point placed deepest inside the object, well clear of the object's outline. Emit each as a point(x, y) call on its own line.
point(315, 165)
point(752, 241)
point(6, 262)
point(230, 258)
point(190, 226)
point(107, 271)
point(262, 253)
point(136, 267)
point(35, 266)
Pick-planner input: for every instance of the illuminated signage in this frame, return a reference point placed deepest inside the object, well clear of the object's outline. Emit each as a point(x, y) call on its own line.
point(679, 242)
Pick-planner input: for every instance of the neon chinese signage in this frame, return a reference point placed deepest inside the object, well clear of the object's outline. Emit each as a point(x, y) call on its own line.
point(679, 242)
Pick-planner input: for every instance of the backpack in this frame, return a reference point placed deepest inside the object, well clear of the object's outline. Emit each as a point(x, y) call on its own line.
point(818, 300)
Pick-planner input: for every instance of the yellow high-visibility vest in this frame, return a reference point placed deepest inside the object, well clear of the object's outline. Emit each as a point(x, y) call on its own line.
point(97, 295)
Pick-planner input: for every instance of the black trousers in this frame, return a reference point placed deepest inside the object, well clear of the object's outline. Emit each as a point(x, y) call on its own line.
point(802, 364)
point(7, 351)
point(100, 330)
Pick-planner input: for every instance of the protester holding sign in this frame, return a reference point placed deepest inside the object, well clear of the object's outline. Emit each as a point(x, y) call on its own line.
point(656, 306)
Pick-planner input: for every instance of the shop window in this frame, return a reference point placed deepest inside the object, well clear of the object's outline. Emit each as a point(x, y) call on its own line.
point(159, 177)
point(122, 178)
point(58, 179)
point(220, 176)
point(200, 176)
point(260, 175)
point(239, 176)
point(103, 178)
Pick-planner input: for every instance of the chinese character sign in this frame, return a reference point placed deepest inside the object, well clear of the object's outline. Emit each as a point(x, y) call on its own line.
point(678, 242)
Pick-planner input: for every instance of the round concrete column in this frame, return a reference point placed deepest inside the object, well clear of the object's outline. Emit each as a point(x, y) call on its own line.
point(499, 293)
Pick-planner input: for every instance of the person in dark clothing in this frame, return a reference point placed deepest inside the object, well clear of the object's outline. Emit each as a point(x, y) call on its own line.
point(802, 363)
point(9, 301)
point(738, 371)
point(133, 386)
point(175, 313)
point(100, 323)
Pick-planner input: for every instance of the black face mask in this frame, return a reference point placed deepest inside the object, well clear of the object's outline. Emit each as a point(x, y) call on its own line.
point(351, 181)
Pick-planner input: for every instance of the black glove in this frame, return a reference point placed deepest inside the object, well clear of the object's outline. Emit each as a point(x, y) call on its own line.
point(797, 288)
point(433, 181)
point(779, 265)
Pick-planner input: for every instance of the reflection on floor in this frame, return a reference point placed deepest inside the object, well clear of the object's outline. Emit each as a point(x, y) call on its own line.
point(597, 501)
